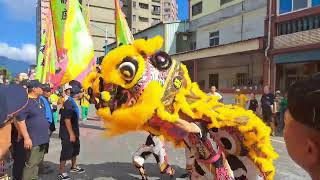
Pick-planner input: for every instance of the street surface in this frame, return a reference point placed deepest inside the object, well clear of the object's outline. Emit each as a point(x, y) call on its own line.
point(110, 158)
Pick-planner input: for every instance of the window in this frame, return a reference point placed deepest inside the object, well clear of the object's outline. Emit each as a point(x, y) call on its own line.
point(143, 6)
point(315, 3)
point(166, 10)
point(133, 30)
point(299, 4)
point(156, 10)
point(287, 6)
point(214, 38)
point(134, 4)
point(143, 19)
point(197, 9)
point(222, 2)
point(134, 18)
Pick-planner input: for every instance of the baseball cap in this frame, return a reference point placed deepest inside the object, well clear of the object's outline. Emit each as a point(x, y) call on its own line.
point(75, 90)
point(34, 84)
point(46, 87)
point(67, 86)
point(303, 101)
point(13, 98)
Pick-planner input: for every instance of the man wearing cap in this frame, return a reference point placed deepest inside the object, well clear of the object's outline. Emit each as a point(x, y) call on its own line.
point(302, 125)
point(33, 127)
point(44, 99)
point(13, 98)
point(69, 134)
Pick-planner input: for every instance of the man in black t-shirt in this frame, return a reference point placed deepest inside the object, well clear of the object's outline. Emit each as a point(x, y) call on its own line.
point(69, 134)
point(267, 105)
point(253, 103)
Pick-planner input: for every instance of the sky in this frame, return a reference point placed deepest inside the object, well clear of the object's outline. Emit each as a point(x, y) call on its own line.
point(17, 32)
point(18, 28)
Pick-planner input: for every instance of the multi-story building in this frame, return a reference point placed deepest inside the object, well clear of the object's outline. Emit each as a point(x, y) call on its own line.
point(294, 40)
point(41, 11)
point(101, 21)
point(225, 44)
point(142, 14)
point(169, 10)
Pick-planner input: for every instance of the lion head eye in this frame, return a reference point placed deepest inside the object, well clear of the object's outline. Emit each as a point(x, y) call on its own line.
point(161, 60)
point(128, 68)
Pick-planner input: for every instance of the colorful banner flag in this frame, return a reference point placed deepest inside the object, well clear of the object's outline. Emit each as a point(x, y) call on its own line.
point(73, 42)
point(40, 58)
point(123, 33)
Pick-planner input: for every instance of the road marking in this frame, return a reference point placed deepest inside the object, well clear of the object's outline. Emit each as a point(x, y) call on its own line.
point(278, 141)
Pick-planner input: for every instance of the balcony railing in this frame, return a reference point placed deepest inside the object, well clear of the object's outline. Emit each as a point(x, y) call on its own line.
point(298, 25)
point(250, 83)
point(156, 12)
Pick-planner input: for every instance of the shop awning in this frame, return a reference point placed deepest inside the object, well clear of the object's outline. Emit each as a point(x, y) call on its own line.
point(295, 57)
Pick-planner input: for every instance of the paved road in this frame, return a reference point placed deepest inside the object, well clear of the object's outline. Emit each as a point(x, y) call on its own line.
point(110, 158)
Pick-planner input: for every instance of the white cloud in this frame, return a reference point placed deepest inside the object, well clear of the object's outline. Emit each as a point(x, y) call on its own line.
point(21, 9)
point(26, 53)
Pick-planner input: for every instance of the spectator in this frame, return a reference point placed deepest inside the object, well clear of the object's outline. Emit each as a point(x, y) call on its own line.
point(283, 108)
point(267, 107)
point(69, 134)
point(45, 169)
point(253, 103)
point(13, 99)
point(18, 151)
point(85, 106)
point(302, 124)
point(215, 93)
point(240, 99)
point(33, 127)
point(54, 99)
point(277, 101)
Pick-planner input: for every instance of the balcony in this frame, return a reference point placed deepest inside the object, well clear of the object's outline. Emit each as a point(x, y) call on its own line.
point(298, 32)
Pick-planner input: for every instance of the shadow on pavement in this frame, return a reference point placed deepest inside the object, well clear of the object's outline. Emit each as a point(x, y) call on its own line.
point(82, 125)
point(115, 170)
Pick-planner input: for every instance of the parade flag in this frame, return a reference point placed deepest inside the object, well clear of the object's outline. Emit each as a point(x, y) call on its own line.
point(123, 33)
point(40, 58)
point(73, 42)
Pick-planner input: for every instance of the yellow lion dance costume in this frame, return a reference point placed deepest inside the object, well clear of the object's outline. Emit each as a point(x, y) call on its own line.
point(142, 88)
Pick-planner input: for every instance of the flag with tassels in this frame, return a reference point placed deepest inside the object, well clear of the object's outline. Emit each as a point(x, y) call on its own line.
point(73, 42)
point(46, 55)
point(123, 33)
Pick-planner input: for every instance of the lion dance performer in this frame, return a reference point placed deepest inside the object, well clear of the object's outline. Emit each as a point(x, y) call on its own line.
point(141, 88)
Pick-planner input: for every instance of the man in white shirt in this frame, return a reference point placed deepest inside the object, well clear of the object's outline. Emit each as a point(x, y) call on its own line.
point(214, 93)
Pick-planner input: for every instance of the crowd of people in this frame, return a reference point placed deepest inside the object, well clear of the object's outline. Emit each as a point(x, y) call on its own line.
point(29, 115)
point(271, 107)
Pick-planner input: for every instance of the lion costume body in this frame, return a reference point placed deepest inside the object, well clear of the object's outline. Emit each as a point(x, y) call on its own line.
point(142, 89)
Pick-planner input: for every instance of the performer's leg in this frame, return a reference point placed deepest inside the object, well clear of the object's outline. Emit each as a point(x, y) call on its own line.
point(160, 155)
point(139, 157)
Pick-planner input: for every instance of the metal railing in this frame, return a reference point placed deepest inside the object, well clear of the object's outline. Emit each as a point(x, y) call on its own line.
point(251, 83)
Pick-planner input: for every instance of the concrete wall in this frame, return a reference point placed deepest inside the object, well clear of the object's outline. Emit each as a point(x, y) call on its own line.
point(228, 66)
point(210, 6)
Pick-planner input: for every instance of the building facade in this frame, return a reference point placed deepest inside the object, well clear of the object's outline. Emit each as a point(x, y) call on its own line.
point(295, 40)
point(142, 14)
point(225, 44)
point(169, 10)
point(100, 14)
point(167, 30)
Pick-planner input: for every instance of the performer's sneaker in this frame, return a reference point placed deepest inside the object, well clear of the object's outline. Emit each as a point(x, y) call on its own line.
point(64, 176)
point(77, 170)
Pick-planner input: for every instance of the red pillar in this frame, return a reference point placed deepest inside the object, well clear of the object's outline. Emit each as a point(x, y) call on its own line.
point(195, 71)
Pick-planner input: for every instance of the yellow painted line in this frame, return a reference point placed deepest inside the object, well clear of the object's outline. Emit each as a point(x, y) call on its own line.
point(278, 141)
